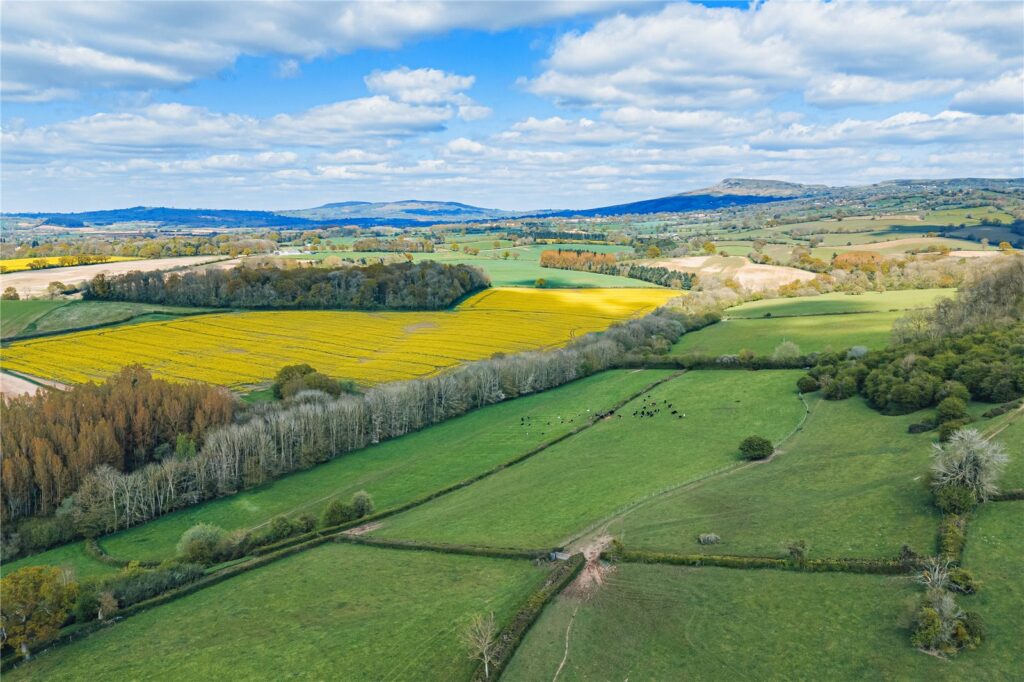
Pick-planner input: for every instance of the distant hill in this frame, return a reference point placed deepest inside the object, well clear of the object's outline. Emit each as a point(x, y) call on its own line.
point(412, 210)
point(674, 203)
point(772, 188)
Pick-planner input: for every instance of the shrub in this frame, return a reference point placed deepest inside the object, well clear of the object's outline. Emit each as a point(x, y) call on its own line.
point(970, 461)
point(952, 536)
point(708, 539)
point(756, 447)
point(948, 429)
point(336, 513)
point(362, 504)
point(43, 532)
point(920, 427)
point(807, 384)
point(927, 628)
point(201, 543)
point(951, 409)
point(787, 350)
point(962, 580)
point(955, 499)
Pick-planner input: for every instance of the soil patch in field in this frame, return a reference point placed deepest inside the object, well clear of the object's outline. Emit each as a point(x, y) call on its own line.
point(34, 282)
point(750, 275)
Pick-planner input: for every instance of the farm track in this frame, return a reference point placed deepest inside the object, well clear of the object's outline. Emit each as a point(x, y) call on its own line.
point(600, 528)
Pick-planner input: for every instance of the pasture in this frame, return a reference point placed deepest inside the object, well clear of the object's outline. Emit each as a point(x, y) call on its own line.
point(245, 348)
point(396, 471)
point(834, 303)
point(851, 483)
point(810, 332)
point(649, 622)
point(545, 500)
point(49, 317)
point(336, 611)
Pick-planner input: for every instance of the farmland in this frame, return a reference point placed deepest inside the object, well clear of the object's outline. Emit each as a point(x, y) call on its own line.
point(238, 349)
point(372, 613)
point(829, 304)
point(575, 483)
point(32, 317)
point(35, 282)
point(21, 264)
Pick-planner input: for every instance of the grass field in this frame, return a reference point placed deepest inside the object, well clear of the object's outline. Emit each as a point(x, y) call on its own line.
point(334, 612)
point(676, 623)
point(393, 472)
point(811, 333)
point(1013, 438)
point(826, 304)
point(238, 349)
point(21, 264)
point(560, 492)
point(72, 556)
point(15, 316)
point(851, 483)
point(66, 316)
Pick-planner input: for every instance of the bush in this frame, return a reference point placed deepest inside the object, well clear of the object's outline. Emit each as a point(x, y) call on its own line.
point(362, 504)
point(338, 512)
point(927, 628)
point(756, 447)
point(807, 384)
point(708, 539)
point(952, 536)
point(920, 427)
point(949, 428)
point(955, 499)
point(951, 409)
point(962, 580)
point(202, 543)
point(43, 532)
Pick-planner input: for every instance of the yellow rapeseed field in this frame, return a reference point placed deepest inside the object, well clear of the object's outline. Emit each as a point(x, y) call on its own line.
point(246, 348)
point(20, 264)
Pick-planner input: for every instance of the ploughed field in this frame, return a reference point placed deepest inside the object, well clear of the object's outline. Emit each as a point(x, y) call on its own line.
point(244, 348)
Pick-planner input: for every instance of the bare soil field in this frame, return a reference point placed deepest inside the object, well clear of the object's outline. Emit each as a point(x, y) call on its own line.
point(749, 275)
point(975, 254)
point(11, 385)
point(34, 282)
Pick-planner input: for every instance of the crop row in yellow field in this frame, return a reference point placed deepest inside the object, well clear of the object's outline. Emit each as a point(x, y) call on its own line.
point(245, 348)
point(20, 264)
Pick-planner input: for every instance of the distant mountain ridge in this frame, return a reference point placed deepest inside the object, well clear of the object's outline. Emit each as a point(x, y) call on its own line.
point(416, 213)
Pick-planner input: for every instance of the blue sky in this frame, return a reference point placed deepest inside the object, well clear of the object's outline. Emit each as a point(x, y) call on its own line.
point(506, 104)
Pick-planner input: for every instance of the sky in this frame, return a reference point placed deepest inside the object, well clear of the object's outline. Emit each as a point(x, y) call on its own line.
point(514, 105)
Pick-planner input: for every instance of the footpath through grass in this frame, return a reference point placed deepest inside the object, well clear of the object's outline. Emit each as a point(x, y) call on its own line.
point(851, 483)
point(335, 612)
point(393, 472)
point(650, 622)
point(560, 492)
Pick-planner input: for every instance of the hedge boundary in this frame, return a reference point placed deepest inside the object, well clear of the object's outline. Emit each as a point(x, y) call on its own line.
point(1009, 495)
point(94, 549)
point(511, 636)
point(466, 550)
point(827, 565)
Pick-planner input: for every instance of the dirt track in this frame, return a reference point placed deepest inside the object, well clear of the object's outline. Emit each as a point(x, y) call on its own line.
point(749, 275)
point(34, 282)
point(11, 385)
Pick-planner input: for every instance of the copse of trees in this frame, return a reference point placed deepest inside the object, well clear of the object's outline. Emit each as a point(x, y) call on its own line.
point(294, 379)
point(398, 286)
point(53, 440)
point(399, 245)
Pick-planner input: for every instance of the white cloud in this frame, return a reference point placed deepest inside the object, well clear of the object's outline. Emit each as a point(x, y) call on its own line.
point(289, 68)
point(419, 86)
point(840, 89)
point(1004, 94)
point(73, 45)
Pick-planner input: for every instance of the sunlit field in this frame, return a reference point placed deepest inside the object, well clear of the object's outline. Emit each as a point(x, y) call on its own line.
point(238, 349)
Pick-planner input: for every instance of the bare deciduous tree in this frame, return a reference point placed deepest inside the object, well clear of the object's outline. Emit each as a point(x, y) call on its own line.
point(968, 460)
point(481, 637)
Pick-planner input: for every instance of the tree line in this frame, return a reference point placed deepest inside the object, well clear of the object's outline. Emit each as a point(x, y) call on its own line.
point(608, 264)
point(397, 286)
point(53, 440)
point(399, 245)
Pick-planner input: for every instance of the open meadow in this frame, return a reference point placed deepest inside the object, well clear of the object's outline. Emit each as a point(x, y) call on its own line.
point(245, 348)
point(641, 449)
point(39, 317)
point(836, 303)
point(339, 610)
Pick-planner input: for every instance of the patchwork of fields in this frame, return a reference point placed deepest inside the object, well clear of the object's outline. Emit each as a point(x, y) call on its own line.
point(238, 349)
point(21, 264)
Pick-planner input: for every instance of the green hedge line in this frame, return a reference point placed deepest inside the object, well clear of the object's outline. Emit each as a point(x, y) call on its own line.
point(512, 635)
point(711, 362)
point(827, 565)
point(469, 550)
point(1007, 495)
point(96, 551)
point(952, 536)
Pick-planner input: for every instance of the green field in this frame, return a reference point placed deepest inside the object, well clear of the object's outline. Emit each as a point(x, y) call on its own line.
point(15, 316)
point(334, 612)
point(995, 553)
point(393, 472)
point(544, 501)
point(851, 483)
point(811, 333)
point(676, 623)
point(24, 318)
point(72, 556)
point(1013, 438)
point(510, 272)
point(836, 303)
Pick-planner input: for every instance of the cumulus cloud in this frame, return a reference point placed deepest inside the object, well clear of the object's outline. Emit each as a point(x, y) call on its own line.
point(1001, 95)
point(66, 46)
